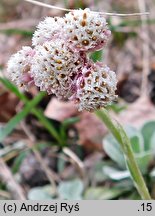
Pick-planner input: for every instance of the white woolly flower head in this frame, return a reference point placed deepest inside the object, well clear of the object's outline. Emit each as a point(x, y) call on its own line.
point(87, 31)
point(47, 30)
point(59, 64)
point(54, 68)
point(95, 87)
point(19, 67)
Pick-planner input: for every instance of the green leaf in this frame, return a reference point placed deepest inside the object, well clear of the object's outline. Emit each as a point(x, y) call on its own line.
point(98, 175)
point(41, 193)
point(103, 193)
point(120, 135)
point(25, 33)
point(71, 190)
point(12, 88)
point(115, 174)
point(136, 139)
point(97, 56)
point(117, 108)
point(37, 112)
point(143, 159)
point(40, 146)
point(4, 132)
point(147, 131)
point(152, 143)
point(64, 125)
point(135, 22)
point(113, 150)
point(18, 160)
point(70, 121)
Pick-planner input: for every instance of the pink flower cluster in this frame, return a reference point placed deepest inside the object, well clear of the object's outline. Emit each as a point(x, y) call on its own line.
point(59, 62)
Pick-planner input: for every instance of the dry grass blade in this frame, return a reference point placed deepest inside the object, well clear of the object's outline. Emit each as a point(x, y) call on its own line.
point(102, 13)
point(76, 160)
point(7, 177)
point(51, 175)
point(4, 194)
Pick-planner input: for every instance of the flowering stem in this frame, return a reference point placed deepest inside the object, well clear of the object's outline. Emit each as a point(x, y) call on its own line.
point(121, 136)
